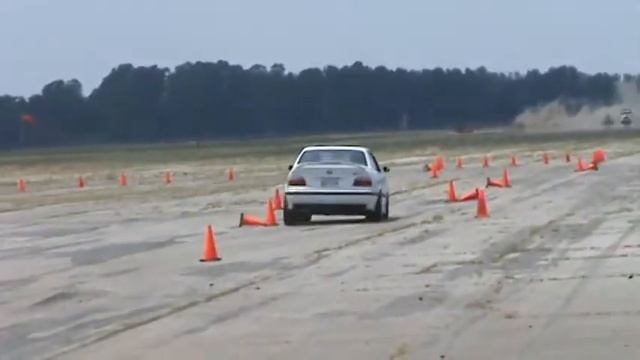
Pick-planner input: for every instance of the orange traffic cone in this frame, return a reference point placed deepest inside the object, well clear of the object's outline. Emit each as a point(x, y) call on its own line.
point(459, 163)
point(210, 252)
point(271, 214)
point(482, 210)
point(514, 160)
point(494, 183)
point(451, 193)
point(440, 162)
point(81, 182)
point(486, 161)
point(598, 156)
point(168, 177)
point(506, 179)
point(251, 220)
point(472, 195)
point(567, 157)
point(434, 171)
point(22, 185)
point(545, 158)
point(231, 174)
point(277, 200)
point(123, 179)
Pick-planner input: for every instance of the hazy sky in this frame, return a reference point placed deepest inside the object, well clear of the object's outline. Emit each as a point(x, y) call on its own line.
point(44, 40)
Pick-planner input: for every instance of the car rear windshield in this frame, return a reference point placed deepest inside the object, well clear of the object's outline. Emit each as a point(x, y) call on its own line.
point(333, 156)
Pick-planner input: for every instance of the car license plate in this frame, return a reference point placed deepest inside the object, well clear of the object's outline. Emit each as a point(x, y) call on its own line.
point(329, 182)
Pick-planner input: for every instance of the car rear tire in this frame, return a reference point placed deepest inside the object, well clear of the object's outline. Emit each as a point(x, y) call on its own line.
point(386, 208)
point(376, 215)
point(292, 217)
point(289, 217)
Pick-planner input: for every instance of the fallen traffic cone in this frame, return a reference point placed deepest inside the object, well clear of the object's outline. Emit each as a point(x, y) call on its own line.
point(545, 158)
point(22, 185)
point(472, 195)
point(271, 214)
point(567, 157)
point(168, 177)
point(514, 160)
point(81, 182)
point(231, 174)
point(459, 163)
point(506, 180)
point(486, 161)
point(482, 210)
point(251, 220)
point(123, 179)
point(451, 193)
point(210, 252)
point(581, 167)
point(494, 183)
point(277, 200)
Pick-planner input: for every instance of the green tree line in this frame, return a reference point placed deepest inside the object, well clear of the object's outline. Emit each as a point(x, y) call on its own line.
point(218, 100)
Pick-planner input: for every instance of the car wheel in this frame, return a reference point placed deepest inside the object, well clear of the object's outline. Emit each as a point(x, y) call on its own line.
point(376, 215)
point(386, 208)
point(289, 217)
point(292, 217)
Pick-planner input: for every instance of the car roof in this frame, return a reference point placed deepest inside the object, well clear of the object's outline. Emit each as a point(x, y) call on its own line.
point(335, 147)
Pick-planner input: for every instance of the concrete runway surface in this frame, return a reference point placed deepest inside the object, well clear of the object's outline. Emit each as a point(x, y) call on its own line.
point(551, 274)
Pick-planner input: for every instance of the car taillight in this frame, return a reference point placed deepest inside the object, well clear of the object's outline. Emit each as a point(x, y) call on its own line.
point(363, 181)
point(297, 181)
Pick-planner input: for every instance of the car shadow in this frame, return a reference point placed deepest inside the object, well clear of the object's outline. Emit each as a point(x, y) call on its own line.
point(345, 221)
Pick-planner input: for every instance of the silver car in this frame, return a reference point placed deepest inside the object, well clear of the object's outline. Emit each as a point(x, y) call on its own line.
point(626, 117)
point(336, 180)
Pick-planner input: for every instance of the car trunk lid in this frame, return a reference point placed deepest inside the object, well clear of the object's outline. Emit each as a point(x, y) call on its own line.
point(330, 176)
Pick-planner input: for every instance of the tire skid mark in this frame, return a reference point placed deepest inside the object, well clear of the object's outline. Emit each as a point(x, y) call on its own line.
point(312, 259)
point(577, 288)
point(422, 187)
point(491, 256)
point(543, 249)
point(576, 314)
point(591, 270)
point(590, 257)
point(584, 277)
point(134, 324)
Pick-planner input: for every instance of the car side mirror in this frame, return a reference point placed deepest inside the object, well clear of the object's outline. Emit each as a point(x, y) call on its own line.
point(386, 169)
point(290, 167)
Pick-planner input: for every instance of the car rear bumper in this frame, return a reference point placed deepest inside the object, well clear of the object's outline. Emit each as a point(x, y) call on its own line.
point(332, 202)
